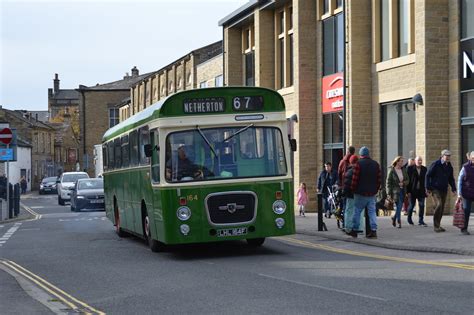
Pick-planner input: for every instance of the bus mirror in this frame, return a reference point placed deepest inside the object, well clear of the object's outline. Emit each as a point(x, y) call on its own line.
point(293, 145)
point(148, 150)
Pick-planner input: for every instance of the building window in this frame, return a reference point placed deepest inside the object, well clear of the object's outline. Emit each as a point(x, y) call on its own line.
point(333, 44)
point(291, 60)
point(385, 30)
point(249, 69)
point(284, 47)
point(203, 84)
point(398, 131)
point(219, 80)
point(467, 20)
point(332, 135)
point(404, 25)
point(114, 117)
point(467, 123)
point(248, 49)
point(326, 6)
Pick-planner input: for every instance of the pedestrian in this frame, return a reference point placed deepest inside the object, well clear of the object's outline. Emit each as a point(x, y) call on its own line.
point(397, 181)
point(466, 190)
point(406, 202)
point(344, 164)
point(327, 178)
point(416, 190)
point(3, 186)
point(23, 184)
point(366, 178)
point(438, 177)
point(349, 195)
point(302, 197)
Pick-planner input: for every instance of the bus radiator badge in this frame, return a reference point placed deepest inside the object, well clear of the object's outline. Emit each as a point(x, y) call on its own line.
point(231, 207)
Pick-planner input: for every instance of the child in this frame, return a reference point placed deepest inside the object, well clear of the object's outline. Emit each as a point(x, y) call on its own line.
point(302, 197)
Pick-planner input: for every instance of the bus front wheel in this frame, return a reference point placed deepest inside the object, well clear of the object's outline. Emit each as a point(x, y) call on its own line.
point(255, 242)
point(155, 246)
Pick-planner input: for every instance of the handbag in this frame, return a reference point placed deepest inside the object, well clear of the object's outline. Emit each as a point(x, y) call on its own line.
point(389, 203)
point(458, 215)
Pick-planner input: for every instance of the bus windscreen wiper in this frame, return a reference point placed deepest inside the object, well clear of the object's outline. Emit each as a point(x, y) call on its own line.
point(239, 131)
point(205, 139)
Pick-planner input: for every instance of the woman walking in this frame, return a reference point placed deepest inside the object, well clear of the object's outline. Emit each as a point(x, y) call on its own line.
point(397, 181)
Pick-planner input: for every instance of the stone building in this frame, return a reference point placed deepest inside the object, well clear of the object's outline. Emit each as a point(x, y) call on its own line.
point(98, 112)
point(40, 136)
point(199, 68)
point(393, 75)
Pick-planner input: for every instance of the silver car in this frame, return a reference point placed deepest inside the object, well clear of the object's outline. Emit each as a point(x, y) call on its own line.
point(88, 194)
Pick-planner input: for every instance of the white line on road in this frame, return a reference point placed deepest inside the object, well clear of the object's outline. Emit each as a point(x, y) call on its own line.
point(324, 288)
point(37, 207)
point(9, 233)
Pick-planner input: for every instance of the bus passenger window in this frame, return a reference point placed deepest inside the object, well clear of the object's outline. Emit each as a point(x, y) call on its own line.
point(133, 139)
point(118, 153)
point(155, 157)
point(110, 155)
point(144, 138)
point(125, 152)
point(104, 156)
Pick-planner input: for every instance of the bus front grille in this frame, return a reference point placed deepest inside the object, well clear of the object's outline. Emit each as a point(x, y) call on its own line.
point(231, 208)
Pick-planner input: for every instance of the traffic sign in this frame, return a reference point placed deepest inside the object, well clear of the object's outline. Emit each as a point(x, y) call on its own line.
point(6, 154)
point(6, 135)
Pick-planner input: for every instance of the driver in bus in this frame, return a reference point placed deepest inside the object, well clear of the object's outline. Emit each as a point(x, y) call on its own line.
point(186, 170)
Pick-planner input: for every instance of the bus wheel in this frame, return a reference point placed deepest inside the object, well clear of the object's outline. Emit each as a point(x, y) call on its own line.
point(155, 246)
point(255, 242)
point(118, 228)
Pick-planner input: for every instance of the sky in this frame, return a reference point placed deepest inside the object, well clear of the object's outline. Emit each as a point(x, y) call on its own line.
point(88, 42)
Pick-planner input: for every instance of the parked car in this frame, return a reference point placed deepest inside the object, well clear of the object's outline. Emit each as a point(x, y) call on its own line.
point(65, 183)
point(48, 185)
point(88, 194)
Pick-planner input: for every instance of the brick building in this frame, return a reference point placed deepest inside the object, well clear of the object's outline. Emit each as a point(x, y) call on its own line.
point(98, 112)
point(199, 68)
point(390, 53)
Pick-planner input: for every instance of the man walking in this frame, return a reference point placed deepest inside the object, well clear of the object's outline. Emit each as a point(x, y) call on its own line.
point(466, 190)
point(365, 184)
point(326, 180)
point(416, 190)
point(438, 176)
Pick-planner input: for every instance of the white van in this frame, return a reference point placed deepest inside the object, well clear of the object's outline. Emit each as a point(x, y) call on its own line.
point(65, 183)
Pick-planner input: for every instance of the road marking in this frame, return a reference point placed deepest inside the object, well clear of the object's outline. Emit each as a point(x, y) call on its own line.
point(324, 288)
point(9, 233)
point(52, 289)
point(376, 256)
point(37, 207)
point(36, 215)
point(83, 219)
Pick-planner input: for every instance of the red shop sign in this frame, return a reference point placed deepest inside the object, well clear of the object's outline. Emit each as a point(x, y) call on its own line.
point(333, 92)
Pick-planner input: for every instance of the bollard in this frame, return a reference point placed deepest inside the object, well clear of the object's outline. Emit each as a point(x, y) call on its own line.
point(16, 199)
point(10, 202)
point(321, 224)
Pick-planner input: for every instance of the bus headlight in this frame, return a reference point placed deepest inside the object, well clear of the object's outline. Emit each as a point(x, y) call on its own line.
point(183, 213)
point(184, 228)
point(279, 207)
point(280, 222)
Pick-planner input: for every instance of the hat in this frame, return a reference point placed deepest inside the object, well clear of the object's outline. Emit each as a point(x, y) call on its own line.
point(353, 159)
point(364, 151)
point(445, 152)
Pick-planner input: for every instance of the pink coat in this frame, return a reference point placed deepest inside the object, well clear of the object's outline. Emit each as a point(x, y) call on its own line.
point(302, 197)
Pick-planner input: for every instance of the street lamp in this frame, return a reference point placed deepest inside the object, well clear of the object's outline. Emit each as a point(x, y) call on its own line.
point(417, 99)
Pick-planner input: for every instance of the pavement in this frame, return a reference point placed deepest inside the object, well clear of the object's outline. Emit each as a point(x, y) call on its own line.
point(409, 237)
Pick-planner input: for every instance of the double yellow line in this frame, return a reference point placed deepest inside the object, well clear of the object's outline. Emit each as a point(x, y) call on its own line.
point(73, 303)
point(382, 257)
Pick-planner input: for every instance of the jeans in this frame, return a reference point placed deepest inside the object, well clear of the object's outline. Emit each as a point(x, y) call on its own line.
point(439, 198)
point(466, 205)
point(399, 202)
point(421, 206)
point(360, 203)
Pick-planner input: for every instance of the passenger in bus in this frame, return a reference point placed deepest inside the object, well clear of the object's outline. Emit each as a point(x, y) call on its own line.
point(185, 168)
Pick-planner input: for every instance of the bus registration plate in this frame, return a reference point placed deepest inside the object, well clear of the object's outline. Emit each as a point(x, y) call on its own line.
point(232, 232)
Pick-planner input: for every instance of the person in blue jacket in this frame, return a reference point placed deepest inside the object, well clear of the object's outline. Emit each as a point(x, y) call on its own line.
point(438, 177)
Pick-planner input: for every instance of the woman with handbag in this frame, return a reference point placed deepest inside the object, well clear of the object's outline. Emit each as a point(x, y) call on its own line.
point(466, 190)
point(397, 181)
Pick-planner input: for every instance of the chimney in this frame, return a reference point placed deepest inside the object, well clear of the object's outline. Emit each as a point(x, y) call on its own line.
point(36, 116)
point(127, 76)
point(134, 72)
point(56, 83)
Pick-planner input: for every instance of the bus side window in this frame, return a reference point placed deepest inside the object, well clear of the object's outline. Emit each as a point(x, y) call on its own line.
point(155, 157)
point(110, 155)
point(133, 140)
point(118, 153)
point(144, 138)
point(125, 151)
point(104, 156)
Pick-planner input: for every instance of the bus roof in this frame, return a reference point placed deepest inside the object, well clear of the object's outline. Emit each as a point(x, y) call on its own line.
point(208, 101)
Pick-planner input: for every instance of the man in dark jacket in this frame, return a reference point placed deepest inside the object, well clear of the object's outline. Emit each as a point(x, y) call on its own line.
point(438, 176)
point(365, 184)
point(326, 180)
point(416, 190)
